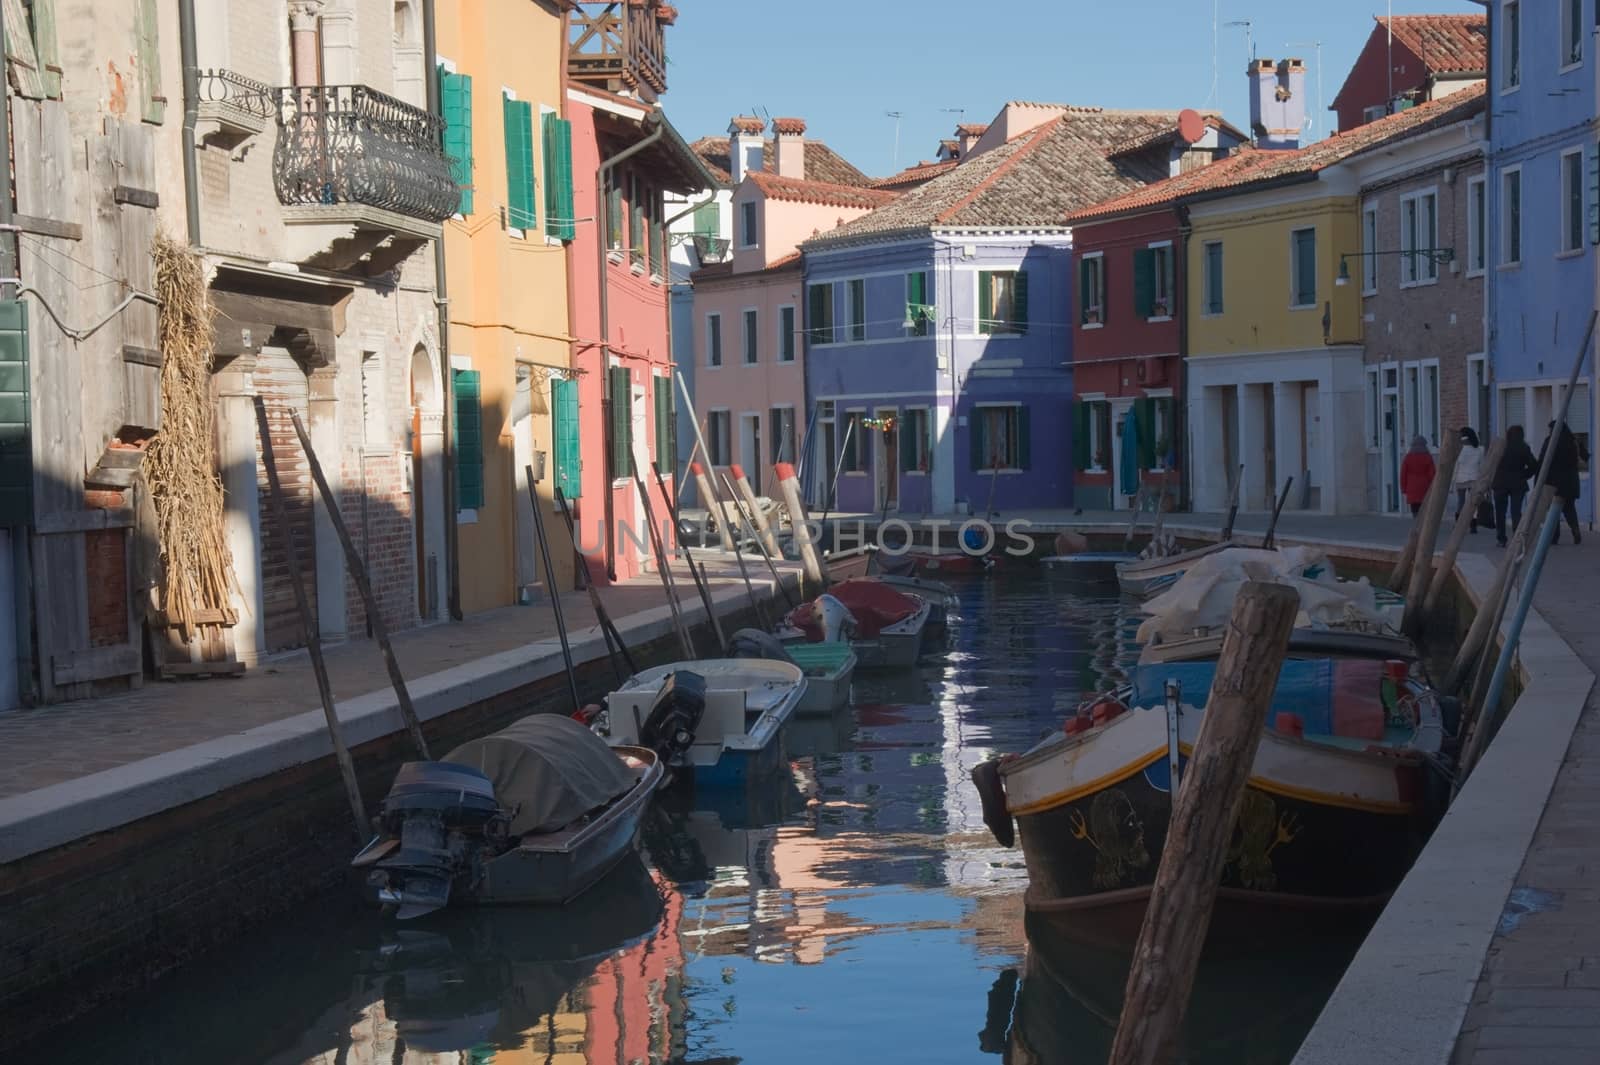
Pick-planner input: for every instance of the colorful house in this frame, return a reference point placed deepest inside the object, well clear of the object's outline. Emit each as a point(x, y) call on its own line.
point(1409, 60)
point(500, 80)
point(939, 336)
point(749, 369)
point(1543, 227)
point(626, 155)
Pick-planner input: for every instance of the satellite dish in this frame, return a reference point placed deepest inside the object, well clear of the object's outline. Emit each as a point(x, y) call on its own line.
point(1191, 126)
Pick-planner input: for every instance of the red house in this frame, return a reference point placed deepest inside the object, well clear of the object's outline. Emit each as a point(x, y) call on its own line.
point(1430, 56)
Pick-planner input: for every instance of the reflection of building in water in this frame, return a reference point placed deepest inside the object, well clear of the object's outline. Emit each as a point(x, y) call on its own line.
point(634, 1003)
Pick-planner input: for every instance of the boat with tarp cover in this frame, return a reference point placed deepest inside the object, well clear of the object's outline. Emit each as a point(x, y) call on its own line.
point(884, 626)
point(534, 813)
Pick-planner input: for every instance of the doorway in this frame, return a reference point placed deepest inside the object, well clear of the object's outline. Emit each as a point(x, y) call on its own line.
point(750, 449)
point(1119, 426)
point(888, 462)
point(1391, 430)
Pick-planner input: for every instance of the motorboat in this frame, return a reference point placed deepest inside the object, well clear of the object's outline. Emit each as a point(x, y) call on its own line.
point(941, 598)
point(882, 625)
point(1303, 643)
point(534, 814)
point(1145, 578)
point(725, 716)
point(828, 667)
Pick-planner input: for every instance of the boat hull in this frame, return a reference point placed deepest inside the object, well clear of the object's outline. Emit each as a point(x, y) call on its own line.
point(826, 695)
point(1148, 578)
point(897, 646)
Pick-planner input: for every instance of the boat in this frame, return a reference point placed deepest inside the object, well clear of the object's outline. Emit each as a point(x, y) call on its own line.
point(737, 734)
point(1339, 798)
point(532, 814)
point(941, 597)
point(1304, 642)
point(828, 667)
point(1090, 568)
point(1148, 577)
point(882, 625)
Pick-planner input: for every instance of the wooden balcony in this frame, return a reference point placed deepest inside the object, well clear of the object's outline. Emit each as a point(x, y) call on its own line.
point(619, 45)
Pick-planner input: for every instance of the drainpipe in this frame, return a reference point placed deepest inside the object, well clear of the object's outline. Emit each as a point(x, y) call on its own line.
point(602, 177)
point(441, 301)
point(1181, 297)
point(191, 118)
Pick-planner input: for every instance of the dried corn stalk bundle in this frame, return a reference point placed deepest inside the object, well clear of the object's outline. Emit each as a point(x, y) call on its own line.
point(180, 466)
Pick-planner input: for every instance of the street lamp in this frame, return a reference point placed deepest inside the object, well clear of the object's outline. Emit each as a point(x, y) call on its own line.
point(1437, 256)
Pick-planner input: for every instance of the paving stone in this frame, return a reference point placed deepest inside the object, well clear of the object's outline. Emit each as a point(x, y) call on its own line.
point(1514, 997)
point(1499, 1037)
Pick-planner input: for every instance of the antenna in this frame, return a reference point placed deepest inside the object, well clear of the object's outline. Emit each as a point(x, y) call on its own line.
point(1249, 38)
point(1388, 101)
point(1311, 122)
point(1216, 16)
point(897, 116)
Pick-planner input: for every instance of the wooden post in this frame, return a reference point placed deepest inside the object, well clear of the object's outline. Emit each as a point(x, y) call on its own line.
point(607, 627)
point(745, 500)
point(1179, 912)
point(1133, 520)
point(358, 573)
point(1271, 538)
point(1428, 535)
point(543, 548)
point(347, 765)
point(1486, 622)
point(713, 505)
point(663, 563)
point(750, 589)
point(1464, 520)
point(1233, 502)
point(757, 519)
point(789, 485)
point(694, 568)
point(1402, 565)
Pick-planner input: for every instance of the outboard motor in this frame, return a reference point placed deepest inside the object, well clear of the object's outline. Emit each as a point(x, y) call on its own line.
point(675, 715)
point(753, 643)
point(837, 621)
point(432, 816)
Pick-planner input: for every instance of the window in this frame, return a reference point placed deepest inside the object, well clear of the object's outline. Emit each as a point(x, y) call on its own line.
point(455, 104)
point(1091, 436)
point(856, 308)
point(781, 419)
point(1303, 267)
point(1369, 243)
point(1213, 276)
point(919, 312)
point(1372, 415)
point(568, 437)
point(786, 336)
point(1092, 289)
point(1153, 281)
point(653, 235)
point(1477, 216)
point(999, 437)
point(1478, 399)
point(558, 211)
point(621, 394)
point(747, 225)
point(666, 449)
point(719, 437)
point(1510, 45)
point(374, 404)
point(1419, 231)
point(1430, 403)
point(521, 213)
point(819, 313)
point(1002, 302)
point(614, 212)
point(1573, 218)
point(1571, 33)
point(713, 340)
point(467, 427)
point(1511, 217)
point(636, 198)
point(852, 446)
point(752, 337)
point(1158, 446)
point(916, 450)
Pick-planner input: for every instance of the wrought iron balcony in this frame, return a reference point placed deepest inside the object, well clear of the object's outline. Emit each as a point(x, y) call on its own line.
point(349, 144)
point(620, 45)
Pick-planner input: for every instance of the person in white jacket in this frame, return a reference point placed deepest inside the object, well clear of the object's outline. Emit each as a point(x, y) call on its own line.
point(1468, 468)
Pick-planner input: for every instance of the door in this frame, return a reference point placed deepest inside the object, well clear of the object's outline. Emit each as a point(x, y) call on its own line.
point(418, 504)
point(825, 461)
point(1119, 426)
point(1392, 452)
point(888, 462)
point(283, 386)
point(750, 449)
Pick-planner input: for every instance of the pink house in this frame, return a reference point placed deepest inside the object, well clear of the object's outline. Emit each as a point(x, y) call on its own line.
point(749, 375)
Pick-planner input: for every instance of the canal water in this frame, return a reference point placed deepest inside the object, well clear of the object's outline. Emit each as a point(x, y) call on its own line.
point(857, 910)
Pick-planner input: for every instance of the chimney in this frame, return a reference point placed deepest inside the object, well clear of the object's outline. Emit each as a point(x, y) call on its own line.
point(968, 136)
point(1277, 103)
point(790, 137)
point(744, 146)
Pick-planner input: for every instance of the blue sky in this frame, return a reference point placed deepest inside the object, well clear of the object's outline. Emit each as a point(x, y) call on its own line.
point(841, 64)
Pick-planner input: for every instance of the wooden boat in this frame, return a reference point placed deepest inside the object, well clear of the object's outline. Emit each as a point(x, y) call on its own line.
point(940, 596)
point(1339, 798)
point(1148, 577)
point(951, 562)
point(1090, 568)
point(535, 813)
point(828, 668)
point(737, 737)
point(883, 626)
point(847, 565)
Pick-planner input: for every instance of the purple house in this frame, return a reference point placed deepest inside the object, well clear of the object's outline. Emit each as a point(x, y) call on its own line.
point(938, 328)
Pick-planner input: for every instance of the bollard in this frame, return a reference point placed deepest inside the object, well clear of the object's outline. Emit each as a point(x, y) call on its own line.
point(713, 504)
point(757, 519)
point(789, 484)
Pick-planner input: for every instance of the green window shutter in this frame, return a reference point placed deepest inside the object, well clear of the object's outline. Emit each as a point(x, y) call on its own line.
point(468, 425)
point(153, 105)
point(1305, 249)
point(565, 202)
point(569, 465)
point(1081, 445)
point(664, 456)
point(907, 427)
point(16, 420)
point(1083, 290)
point(1144, 282)
point(985, 301)
point(548, 138)
point(821, 313)
point(1019, 302)
point(455, 103)
point(521, 211)
point(43, 15)
point(975, 437)
point(1024, 439)
point(1145, 411)
point(621, 424)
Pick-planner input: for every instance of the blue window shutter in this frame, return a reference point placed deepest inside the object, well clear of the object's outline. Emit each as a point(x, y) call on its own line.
point(569, 465)
point(468, 425)
point(1144, 282)
point(1080, 435)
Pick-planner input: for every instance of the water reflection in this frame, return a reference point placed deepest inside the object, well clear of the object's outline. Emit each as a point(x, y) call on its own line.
point(856, 909)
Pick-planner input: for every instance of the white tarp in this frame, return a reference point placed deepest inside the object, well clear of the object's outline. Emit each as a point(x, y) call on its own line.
point(1203, 597)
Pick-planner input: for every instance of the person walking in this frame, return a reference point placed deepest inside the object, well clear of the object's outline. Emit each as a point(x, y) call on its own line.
point(1468, 468)
point(1564, 476)
point(1416, 473)
point(1510, 485)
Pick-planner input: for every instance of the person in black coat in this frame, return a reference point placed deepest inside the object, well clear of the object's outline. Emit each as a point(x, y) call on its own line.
point(1510, 485)
point(1565, 476)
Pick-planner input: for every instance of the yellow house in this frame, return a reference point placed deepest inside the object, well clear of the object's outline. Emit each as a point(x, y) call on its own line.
point(501, 65)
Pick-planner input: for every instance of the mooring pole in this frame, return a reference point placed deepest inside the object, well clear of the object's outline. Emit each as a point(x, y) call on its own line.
point(1464, 521)
point(347, 765)
point(1271, 539)
point(1428, 535)
point(555, 592)
point(606, 626)
point(688, 556)
point(750, 589)
point(1178, 913)
point(760, 534)
point(1233, 502)
point(663, 563)
point(358, 573)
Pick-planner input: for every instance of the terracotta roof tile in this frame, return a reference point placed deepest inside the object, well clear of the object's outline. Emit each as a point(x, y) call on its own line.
point(788, 125)
point(1446, 44)
point(1166, 136)
point(1251, 166)
point(747, 124)
point(724, 271)
point(824, 192)
point(822, 162)
point(911, 175)
point(973, 129)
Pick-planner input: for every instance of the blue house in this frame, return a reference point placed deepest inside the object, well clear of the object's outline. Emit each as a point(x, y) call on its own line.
point(938, 328)
point(1540, 217)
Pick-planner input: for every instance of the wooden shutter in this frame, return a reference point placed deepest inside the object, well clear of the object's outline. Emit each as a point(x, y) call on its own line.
point(153, 105)
point(821, 327)
point(567, 227)
point(1019, 302)
point(906, 426)
point(468, 426)
point(621, 423)
point(1144, 282)
point(664, 455)
point(569, 465)
point(1145, 413)
point(985, 301)
point(1083, 289)
point(548, 137)
point(1305, 281)
point(43, 15)
point(1024, 456)
point(1082, 446)
point(975, 437)
point(455, 103)
point(521, 211)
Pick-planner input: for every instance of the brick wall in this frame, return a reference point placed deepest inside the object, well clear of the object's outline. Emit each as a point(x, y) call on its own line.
point(106, 569)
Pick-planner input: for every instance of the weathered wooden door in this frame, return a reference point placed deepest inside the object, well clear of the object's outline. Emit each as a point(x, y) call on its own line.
point(284, 387)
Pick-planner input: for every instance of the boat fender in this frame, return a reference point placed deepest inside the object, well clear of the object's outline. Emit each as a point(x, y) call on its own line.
point(992, 793)
point(1104, 710)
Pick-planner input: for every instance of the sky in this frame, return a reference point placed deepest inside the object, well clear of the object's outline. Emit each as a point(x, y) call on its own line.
point(842, 64)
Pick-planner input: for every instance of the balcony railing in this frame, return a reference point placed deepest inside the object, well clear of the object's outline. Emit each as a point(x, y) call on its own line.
point(225, 89)
point(349, 144)
point(620, 44)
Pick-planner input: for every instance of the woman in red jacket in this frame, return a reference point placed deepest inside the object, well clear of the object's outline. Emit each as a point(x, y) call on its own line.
point(1416, 473)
